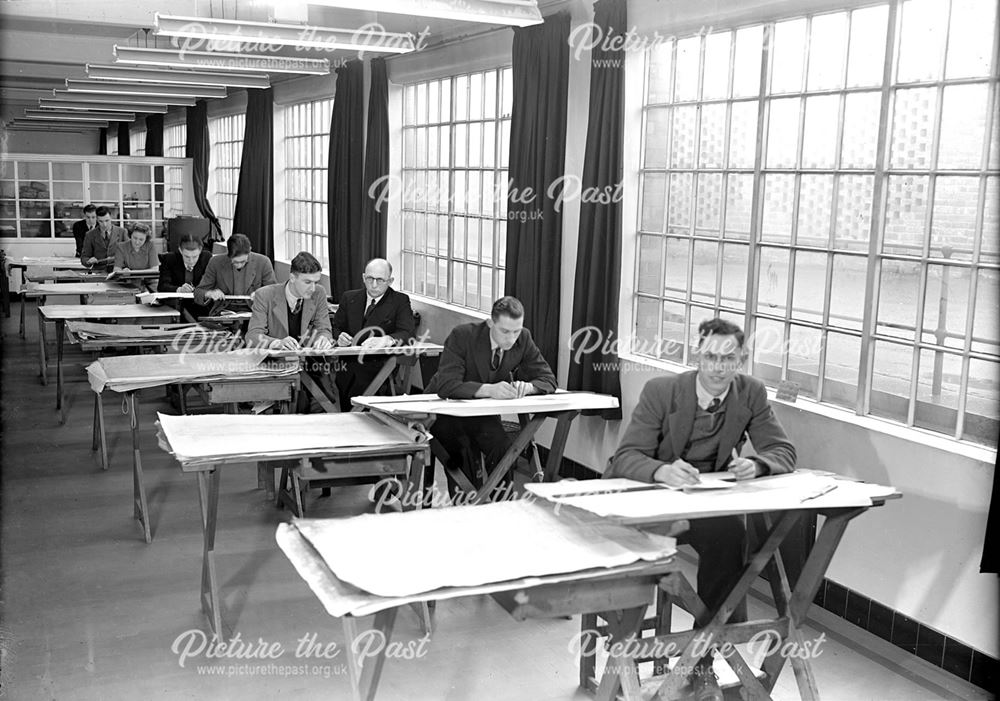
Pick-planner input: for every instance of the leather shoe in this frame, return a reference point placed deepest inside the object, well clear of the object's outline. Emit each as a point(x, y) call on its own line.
point(705, 685)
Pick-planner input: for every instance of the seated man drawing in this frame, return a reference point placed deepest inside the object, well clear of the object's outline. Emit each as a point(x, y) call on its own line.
point(697, 422)
point(494, 359)
point(374, 317)
point(239, 272)
point(101, 242)
point(293, 315)
point(182, 270)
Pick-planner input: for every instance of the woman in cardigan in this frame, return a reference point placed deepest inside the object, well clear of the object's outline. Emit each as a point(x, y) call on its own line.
point(139, 253)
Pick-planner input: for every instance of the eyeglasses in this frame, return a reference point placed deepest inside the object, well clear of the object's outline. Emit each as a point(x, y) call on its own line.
point(377, 280)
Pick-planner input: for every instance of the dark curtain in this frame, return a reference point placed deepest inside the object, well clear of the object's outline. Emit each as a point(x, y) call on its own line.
point(373, 214)
point(102, 142)
point(124, 145)
point(198, 149)
point(254, 211)
point(345, 182)
point(154, 135)
point(537, 160)
point(598, 258)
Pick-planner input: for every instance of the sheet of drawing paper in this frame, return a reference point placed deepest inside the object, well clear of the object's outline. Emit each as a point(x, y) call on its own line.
point(473, 545)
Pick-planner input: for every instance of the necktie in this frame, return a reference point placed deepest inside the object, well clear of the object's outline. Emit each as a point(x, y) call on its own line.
point(297, 307)
point(368, 311)
point(713, 405)
point(497, 355)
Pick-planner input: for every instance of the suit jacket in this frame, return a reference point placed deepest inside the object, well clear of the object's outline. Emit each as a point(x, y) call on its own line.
point(392, 314)
point(94, 246)
point(465, 363)
point(269, 320)
point(662, 421)
point(172, 270)
point(219, 275)
point(80, 230)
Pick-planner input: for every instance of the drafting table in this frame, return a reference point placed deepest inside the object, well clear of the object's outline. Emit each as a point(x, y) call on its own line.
point(56, 277)
point(620, 573)
point(403, 356)
point(84, 289)
point(773, 505)
point(248, 381)
point(349, 444)
point(61, 313)
point(561, 406)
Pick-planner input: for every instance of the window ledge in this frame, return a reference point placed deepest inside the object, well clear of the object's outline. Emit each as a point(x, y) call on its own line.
point(430, 301)
point(934, 441)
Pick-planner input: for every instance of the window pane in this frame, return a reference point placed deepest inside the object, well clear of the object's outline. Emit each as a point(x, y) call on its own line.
point(773, 281)
point(706, 260)
point(847, 292)
point(827, 44)
point(866, 54)
point(742, 134)
point(803, 358)
point(679, 212)
point(779, 192)
point(938, 381)
point(985, 335)
point(654, 191)
point(655, 143)
point(709, 203)
point(892, 365)
point(854, 212)
point(767, 347)
point(747, 60)
point(913, 128)
point(734, 275)
point(658, 80)
point(671, 345)
point(956, 201)
point(809, 290)
point(840, 376)
point(650, 264)
point(647, 323)
point(682, 138)
point(739, 200)
point(782, 133)
point(815, 209)
point(716, 72)
point(819, 142)
point(861, 112)
point(970, 40)
point(686, 80)
point(982, 408)
point(921, 40)
point(963, 126)
point(789, 51)
point(711, 150)
point(677, 265)
point(899, 286)
point(945, 305)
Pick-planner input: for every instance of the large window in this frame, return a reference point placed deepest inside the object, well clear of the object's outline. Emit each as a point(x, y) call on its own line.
point(137, 140)
point(174, 146)
point(307, 145)
point(456, 133)
point(226, 136)
point(848, 221)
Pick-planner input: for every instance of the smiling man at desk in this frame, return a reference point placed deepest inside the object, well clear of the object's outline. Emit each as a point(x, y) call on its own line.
point(697, 422)
point(497, 359)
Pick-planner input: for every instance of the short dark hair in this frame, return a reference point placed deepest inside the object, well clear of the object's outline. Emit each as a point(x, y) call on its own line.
point(144, 228)
point(305, 263)
point(102, 211)
point(89, 208)
point(507, 306)
point(719, 327)
point(191, 241)
point(238, 245)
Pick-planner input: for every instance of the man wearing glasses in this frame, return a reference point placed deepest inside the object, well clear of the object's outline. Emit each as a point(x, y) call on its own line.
point(375, 316)
point(697, 422)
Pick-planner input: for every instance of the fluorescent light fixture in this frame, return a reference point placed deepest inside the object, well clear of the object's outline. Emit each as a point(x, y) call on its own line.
point(173, 76)
point(216, 61)
point(119, 100)
point(518, 13)
point(230, 35)
point(116, 88)
point(86, 105)
point(53, 127)
point(69, 114)
point(80, 123)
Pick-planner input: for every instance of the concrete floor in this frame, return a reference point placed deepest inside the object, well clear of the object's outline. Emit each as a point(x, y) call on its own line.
point(92, 612)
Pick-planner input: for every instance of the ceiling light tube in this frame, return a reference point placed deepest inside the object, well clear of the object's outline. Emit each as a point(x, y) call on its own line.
point(153, 89)
point(173, 76)
point(54, 127)
point(52, 104)
point(237, 35)
point(71, 122)
point(121, 100)
point(518, 13)
point(69, 114)
point(213, 61)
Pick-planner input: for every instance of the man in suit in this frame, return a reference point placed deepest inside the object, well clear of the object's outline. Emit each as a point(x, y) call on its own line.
point(294, 315)
point(495, 358)
point(240, 272)
point(697, 422)
point(100, 243)
point(375, 316)
point(182, 270)
point(81, 227)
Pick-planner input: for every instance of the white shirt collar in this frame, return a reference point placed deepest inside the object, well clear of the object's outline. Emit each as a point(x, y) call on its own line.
point(371, 299)
point(705, 397)
point(290, 296)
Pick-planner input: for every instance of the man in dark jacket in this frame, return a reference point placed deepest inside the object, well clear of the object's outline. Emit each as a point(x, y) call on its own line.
point(182, 270)
point(697, 422)
point(374, 317)
point(495, 358)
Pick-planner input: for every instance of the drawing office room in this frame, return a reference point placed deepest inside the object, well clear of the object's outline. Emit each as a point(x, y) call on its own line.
point(822, 173)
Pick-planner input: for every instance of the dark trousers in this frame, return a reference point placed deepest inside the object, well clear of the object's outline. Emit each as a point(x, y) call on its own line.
point(721, 546)
point(318, 369)
point(354, 379)
point(480, 434)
